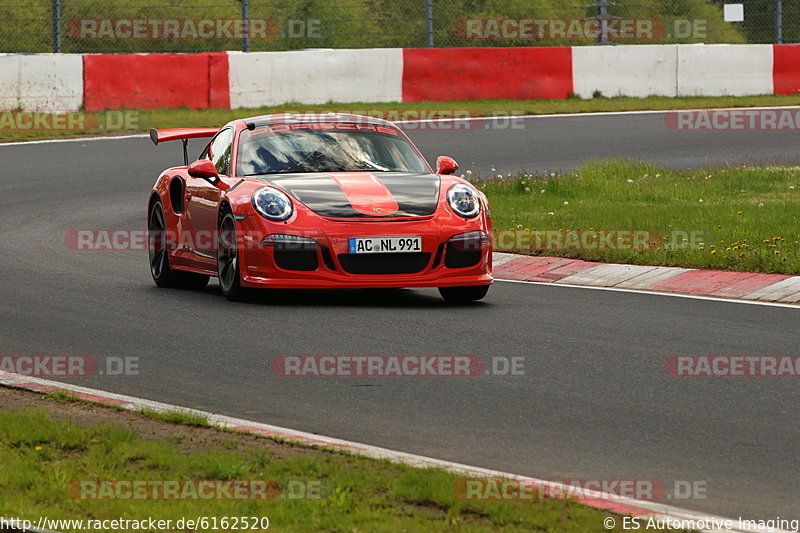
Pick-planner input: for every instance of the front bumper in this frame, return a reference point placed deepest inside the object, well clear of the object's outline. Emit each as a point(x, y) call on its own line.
point(439, 264)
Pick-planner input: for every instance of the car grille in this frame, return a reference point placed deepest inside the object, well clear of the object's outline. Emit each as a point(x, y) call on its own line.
point(384, 263)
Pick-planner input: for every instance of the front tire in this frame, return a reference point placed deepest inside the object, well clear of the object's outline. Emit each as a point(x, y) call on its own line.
point(230, 279)
point(463, 295)
point(162, 273)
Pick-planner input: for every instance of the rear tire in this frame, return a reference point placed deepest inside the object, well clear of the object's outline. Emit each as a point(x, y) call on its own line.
point(162, 273)
point(230, 279)
point(463, 295)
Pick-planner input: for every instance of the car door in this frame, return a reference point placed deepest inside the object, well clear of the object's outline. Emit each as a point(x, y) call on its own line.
point(202, 199)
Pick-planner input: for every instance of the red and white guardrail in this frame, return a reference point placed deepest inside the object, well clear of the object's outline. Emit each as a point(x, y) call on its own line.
point(61, 83)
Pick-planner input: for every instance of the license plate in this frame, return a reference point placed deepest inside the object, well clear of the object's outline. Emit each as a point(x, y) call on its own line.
point(384, 245)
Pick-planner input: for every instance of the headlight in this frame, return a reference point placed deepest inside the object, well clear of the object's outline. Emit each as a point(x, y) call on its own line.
point(463, 200)
point(272, 204)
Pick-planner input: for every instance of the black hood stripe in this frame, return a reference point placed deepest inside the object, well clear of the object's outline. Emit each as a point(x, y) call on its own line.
point(417, 195)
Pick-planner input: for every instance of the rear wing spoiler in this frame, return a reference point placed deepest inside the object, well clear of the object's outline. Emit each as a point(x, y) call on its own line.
point(184, 134)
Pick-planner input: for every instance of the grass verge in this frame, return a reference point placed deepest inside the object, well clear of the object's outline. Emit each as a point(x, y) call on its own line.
point(730, 219)
point(50, 444)
point(178, 417)
point(21, 127)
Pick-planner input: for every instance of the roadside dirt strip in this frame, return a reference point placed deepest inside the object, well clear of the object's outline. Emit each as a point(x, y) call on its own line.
point(749, 286)
point(645, 510)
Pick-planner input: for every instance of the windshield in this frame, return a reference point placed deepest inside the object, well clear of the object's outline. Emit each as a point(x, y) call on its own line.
point(326, 147)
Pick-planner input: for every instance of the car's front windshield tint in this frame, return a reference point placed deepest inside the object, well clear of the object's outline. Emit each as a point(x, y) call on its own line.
point(326, 147)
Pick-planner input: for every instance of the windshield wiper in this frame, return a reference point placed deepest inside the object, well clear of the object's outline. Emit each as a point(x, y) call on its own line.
point(280, 172)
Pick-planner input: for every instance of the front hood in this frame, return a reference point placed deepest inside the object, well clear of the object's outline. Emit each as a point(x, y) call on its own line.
point(363, 194)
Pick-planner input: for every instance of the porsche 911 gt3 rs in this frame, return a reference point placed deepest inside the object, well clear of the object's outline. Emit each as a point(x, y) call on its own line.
point(316, 201)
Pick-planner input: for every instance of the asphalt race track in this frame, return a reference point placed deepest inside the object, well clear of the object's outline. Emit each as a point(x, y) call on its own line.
point(595, 401)
point(563, 143)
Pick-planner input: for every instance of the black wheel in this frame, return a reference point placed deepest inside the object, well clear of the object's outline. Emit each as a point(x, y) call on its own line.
point(163, 274)
point(230, 280)
point(462, 295)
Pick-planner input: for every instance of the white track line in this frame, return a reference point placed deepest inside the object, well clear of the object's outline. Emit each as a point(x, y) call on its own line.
point(132, 403)
point(599, 114)
point(77, 139)
point(656, 293)
point(421, 121)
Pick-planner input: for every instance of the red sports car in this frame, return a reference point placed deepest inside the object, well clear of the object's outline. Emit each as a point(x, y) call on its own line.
point(316, 201)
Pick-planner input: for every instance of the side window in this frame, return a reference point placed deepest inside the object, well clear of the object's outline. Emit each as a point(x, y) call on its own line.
point(219, 151)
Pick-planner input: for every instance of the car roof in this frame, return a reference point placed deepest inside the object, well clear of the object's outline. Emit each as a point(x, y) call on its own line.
point(294, 118)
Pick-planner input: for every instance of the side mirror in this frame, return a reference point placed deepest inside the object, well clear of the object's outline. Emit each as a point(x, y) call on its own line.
point(205, 169)
point(445, 165)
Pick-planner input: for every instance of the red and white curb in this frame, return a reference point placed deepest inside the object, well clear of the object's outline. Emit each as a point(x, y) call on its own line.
point(598, 500)
point(745, 286)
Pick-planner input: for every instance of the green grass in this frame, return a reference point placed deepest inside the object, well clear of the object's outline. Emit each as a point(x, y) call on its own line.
point(43, 459)
point(185, 418)
point(747, 218)
point(61, 396)
point(120, 122)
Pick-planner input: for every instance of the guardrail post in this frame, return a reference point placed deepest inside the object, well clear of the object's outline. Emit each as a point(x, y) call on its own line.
point(602, 15)
point(778, 22)
point(429, 23)
point(245, 25)
point(56, 26)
